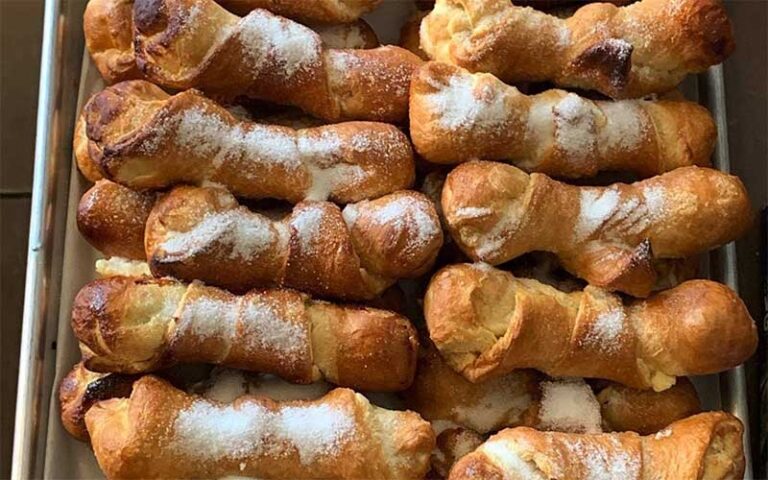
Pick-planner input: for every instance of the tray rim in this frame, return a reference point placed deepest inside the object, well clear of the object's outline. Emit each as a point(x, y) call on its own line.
point(46, 217)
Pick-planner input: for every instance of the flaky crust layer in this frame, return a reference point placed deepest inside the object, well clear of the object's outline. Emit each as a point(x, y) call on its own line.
point(486, 322)
point(353, 254)
point(705, 446)
point(457, 116)
point(141, 137)
point(268, 57)
point(623, 52)
point(161, 432)
point(134, 325)
point(608, 236)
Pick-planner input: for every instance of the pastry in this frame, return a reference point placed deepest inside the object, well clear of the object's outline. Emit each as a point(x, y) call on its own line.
point(196, 43)
point(108, 31)
point(135, 325)
point(609, 236)
point(141, 137)
point(352, 254)
point(81, 388)
point(627, 409)
point(623, 52)
point(704, 446)
point(485, 322)
point(112, 218)
point(162, 432)
point(458, 116)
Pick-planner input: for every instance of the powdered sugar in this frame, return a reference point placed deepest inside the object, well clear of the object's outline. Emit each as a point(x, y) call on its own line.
point(245, 233)
point(206, 134)
point(596, 207)
point(604, 461)
point(231, 432)
point(626, 125)
point(605, 332)
point(655, 200)
point(504, 455)
point(569, 406)
point(411, 218)
point(461, 104)
point(307, 223)
point(575, 126)
point(273, 40)
point(264, 327)
point(503, 401)
point(208, 317)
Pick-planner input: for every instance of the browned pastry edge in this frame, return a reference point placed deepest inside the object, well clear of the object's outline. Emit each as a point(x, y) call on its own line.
point(137, 325)
point(152, 434)
point(485, 323)
point(704, 446)
point(144, 138)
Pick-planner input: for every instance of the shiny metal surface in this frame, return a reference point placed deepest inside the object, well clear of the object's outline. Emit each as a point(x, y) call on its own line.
point(60, 60)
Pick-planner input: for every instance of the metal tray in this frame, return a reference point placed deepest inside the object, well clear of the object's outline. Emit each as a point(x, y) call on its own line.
point(59, 261)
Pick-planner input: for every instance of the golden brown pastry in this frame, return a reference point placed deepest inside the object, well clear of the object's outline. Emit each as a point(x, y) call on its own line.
point(352, 254)
point(108, 29)
point(313, 11)
point(141, 137)
point(444, 397)
point(134, 325)
point(196, 43)
point(623, 52)
point(161, 432)
point(112, 218)
point(81, 388)
point(485, 322)
point(705, 446)
point(627, 409)
point(608, 236)
point(457, 116)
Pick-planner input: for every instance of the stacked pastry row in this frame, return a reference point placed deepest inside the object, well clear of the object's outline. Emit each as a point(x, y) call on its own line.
point(237, 235)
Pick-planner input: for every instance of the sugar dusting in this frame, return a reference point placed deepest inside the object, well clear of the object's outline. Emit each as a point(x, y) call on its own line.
point(264, 327)
point(248, 430)
point(308, 225)
point(575, 131)
point(270, 39)
point(247, 234)
point(596, 207)
point(208, 317)
point(410, 217)
point(503, 401)
point(460, 104)
point(626, 125)
point(206, 134)
point(606, 331)
point(604, 461)
point(569, 406)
